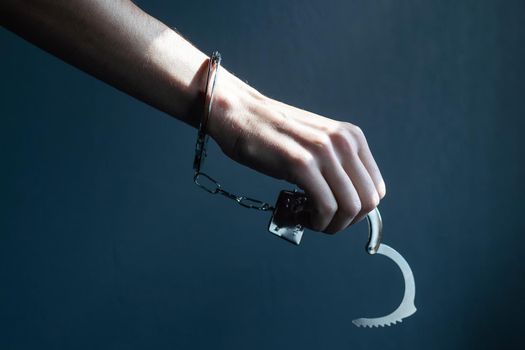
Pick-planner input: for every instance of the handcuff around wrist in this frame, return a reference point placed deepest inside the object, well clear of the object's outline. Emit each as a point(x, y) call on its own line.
point(200, 178)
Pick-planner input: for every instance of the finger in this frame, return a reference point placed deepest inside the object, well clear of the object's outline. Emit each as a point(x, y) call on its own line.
point(348, 202)
point(371, 166)
point(363, 183)
point(323, 204)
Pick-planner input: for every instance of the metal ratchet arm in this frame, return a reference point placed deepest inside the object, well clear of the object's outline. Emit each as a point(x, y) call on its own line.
point(407, 307)
point(283, 224)
point(375, 231)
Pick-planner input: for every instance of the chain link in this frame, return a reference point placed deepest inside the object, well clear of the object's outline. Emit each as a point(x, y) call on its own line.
point(210, 185)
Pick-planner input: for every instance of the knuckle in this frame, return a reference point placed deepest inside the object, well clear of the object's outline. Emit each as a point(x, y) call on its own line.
point(370, 202)
point(344, 139)
point(318, 225)
point(350, 209)
point(299, 164)
point(357, 130)
point(301, 160)
point(339, 131)
point(340, 136)
point(358, 133)
point(327, 209)
point(322, 215)
point(322, 144)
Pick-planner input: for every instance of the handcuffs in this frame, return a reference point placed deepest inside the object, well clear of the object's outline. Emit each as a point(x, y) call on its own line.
point(283, 221)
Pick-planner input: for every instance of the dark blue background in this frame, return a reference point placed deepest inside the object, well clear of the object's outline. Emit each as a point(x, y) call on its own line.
point(105, 243)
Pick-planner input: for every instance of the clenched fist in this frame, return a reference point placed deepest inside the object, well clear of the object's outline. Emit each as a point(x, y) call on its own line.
point(330, 160)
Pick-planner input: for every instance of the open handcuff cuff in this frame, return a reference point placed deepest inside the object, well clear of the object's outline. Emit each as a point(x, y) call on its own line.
point(283, 222)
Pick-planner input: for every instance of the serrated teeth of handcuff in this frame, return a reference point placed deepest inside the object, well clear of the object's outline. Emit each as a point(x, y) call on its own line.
point(369, 324)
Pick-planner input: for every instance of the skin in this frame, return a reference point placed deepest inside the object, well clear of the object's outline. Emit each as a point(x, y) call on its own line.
point(122, 45)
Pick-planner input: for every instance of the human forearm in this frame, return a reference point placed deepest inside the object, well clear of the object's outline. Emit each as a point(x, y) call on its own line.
point(118, 43)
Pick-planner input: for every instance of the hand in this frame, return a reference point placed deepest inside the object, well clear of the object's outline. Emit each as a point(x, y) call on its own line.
point(328, 159)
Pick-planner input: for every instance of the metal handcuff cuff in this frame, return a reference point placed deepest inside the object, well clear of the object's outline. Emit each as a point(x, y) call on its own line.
point(289, 203)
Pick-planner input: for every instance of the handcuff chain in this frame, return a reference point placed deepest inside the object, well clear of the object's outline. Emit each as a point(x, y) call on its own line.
point(208, 184)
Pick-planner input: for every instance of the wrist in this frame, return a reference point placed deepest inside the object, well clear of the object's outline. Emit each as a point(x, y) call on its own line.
point(232, 102)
